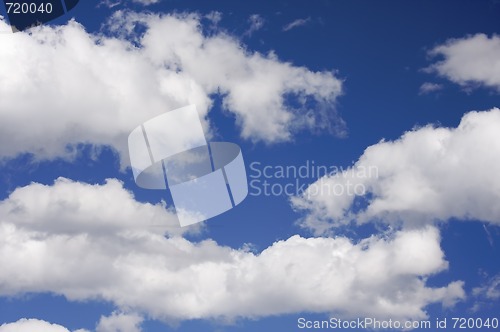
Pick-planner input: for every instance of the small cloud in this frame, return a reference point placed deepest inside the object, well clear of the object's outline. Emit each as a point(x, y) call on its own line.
point(214, 16)
point(488, 235)
point(297, 23)
point(146, 2)
point(114, 3)
point(109, 3)
point(429, 87)
point(256, 23)
point(120, 322)
point(470, 62)
point(488, 292)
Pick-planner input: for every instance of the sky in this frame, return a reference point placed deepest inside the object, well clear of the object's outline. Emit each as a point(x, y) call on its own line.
point(370, 133)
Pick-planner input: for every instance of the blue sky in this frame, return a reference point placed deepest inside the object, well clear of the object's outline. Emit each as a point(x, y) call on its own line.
point(410, 89)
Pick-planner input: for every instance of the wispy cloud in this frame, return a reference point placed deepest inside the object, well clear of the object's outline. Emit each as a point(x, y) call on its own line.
point(429, 87)
point(114, 3)
point(109, 3)
point(297, 23)
point(487, 292)
point(214, 16)
point(256, 23)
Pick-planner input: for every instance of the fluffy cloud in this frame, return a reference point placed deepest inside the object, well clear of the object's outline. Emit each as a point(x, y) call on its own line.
point(55, 238)
point(119, 322)
point(428, 174)
point(256, 87)
point(470, 60)
point(67, 207)
point(30, 325)
point(61, 86)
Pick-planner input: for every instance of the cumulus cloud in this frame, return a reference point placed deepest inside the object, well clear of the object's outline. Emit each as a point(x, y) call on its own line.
point(67, 207)
point(472, 60)
point(256, 87)
point(117, 322)
point(430, 173)
point(56, 243)
point(62, 86)
point(120, 322)
point(30, 325)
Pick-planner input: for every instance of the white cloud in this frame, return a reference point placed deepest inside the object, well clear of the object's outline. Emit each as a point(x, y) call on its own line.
point(256, 23)
point(55, 238)
point(31, 325)
point(297, 23)
point(110, 3)
point(429, 87)
point(214, 17)
point(62, 86)
point(119, 322)
point(487, 294)
point(470, 60)
point(428, 174)
point(67, 207)
point(146, 2)
point(490, 290)
point(256, 86)
point(113, 3)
